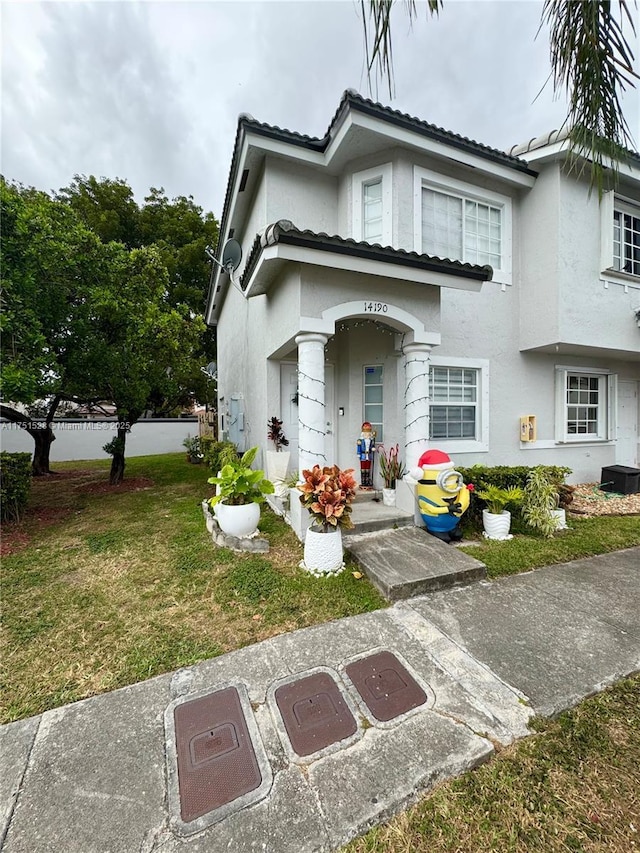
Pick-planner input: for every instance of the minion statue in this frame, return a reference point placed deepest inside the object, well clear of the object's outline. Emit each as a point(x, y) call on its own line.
point(442, 495)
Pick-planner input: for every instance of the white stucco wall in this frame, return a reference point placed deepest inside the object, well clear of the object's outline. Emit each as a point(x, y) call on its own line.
point(84, 439)
point(301, 194)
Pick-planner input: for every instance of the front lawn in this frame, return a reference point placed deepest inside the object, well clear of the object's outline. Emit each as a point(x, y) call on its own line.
point(104, 587)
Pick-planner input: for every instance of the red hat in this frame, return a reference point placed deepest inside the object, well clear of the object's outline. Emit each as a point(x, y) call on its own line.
point(435, 460)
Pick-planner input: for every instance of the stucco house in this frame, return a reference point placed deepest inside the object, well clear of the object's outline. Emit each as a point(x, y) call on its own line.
point(455, 296)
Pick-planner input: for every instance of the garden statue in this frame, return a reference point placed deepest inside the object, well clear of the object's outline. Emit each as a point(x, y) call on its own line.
point(442, 495)
point(366, 449)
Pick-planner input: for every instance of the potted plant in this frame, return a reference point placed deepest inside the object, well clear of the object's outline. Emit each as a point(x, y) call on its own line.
point(277, 460)
point(392, 469)
point(194, 451)
point(328, 494)
point(541, 505)
point(240, 491)
point(496, 519)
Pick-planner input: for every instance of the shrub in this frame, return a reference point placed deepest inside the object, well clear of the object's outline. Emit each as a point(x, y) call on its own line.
point(15, 483)
point(504, 477)
point(217, 454)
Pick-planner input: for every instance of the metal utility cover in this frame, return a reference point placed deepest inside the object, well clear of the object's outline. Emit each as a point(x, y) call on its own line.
point(385, 685)
point(314, 713)
point(215, 757)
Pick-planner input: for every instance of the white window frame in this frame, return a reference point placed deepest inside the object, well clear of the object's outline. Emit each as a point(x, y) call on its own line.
point(607, 408)
point(467, 445)
point(608, 206)
point(424, 178)
point(358, 181)
point(366, 385)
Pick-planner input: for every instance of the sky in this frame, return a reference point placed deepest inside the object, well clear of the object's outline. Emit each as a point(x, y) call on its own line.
point(150, 92)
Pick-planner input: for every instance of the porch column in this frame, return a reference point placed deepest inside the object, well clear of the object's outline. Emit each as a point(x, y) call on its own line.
point(312, 421)
point(416, 401)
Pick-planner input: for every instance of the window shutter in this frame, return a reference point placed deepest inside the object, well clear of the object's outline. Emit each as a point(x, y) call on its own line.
point(561, 409)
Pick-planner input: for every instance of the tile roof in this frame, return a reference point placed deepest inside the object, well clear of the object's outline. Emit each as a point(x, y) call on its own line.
point(285, 232)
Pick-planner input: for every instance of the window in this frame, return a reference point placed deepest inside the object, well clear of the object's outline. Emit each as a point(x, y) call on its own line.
point(371, 200)
point(373, 399)
point(464, 223)
point(454, 400)
point(626, 241)
point(461, 229)
point(585, 411)
point(459, 404)
point(372, 211)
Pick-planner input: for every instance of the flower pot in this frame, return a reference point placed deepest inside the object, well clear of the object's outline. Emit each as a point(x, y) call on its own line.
point(323, 552)
point(389, 497)
point(496, 526)
point(277, 467)
point(561, 519)
point(240, 521)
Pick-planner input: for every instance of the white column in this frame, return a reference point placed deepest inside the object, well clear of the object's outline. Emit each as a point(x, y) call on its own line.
point(416, 402)
point(312, 419)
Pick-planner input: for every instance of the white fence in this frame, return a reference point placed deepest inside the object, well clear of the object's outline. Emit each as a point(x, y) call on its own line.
point(84, 439)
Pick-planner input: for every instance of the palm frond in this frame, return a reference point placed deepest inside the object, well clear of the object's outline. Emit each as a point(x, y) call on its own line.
point(376, 20)
point(592, 60)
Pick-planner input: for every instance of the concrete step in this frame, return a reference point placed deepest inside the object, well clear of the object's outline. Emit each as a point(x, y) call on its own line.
point(408, 561)
point(368, 514)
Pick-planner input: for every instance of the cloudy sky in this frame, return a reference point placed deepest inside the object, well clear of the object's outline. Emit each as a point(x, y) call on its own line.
point(151, 91)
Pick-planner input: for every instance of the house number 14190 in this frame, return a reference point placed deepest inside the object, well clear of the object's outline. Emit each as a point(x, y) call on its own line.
point(376, 307)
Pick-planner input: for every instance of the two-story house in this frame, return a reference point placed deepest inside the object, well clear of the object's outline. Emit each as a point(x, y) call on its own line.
point(453, 295)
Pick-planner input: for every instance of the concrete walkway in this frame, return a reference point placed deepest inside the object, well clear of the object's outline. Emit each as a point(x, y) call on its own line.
point(99, 776)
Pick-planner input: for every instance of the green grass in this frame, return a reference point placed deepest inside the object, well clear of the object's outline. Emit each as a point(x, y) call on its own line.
point(106, 588)
point(585, 538)
point(574, 786)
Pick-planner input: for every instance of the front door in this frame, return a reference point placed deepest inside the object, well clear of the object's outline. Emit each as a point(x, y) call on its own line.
point(289, 411)
point(627, 424)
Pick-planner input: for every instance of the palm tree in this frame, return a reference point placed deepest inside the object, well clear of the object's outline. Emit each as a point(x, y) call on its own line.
point(590, 58)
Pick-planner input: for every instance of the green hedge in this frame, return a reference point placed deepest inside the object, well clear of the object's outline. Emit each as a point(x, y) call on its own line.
point(216, 453)
point(503, 476)
point(15, 483)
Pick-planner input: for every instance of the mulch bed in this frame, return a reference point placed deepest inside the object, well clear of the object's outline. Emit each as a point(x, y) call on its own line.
point(590, 500)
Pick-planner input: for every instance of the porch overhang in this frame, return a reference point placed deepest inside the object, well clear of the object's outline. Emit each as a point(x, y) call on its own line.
point(283, 242)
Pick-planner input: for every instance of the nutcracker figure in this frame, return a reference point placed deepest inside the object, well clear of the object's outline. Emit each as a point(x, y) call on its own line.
point(366, 449)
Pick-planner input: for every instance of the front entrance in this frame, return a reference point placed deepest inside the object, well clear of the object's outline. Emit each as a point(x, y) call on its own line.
point(289, 411)
point(627, 424)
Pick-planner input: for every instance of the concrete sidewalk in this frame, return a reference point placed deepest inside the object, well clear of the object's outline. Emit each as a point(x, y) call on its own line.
point(99, 776)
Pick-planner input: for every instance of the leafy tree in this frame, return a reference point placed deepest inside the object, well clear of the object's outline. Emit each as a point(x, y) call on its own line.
point(106, 206)
point(47, 259)
point(180, 230)
point(129, 341)
point(590, 58)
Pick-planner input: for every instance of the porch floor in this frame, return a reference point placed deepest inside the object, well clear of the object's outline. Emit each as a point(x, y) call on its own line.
point(368, 514)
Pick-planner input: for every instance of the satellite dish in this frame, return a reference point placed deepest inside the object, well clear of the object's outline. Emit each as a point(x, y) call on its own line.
point(211, 370)
point(231, 255)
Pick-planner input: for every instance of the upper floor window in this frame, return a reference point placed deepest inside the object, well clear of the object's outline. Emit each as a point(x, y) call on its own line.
point(619, 236)
point(371, 205)
point(626, 241)
point(464, 223)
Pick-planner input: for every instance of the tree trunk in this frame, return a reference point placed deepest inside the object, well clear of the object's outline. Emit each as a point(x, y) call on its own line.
point(43, 438)
point(41, 433)
point(118, 462)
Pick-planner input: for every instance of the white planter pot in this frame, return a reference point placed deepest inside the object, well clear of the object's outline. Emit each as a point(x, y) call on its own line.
point(389, 497)
point(323, 552)
point(561, 519)
point(240, 521)
point(496, 526)
point(277, 467)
